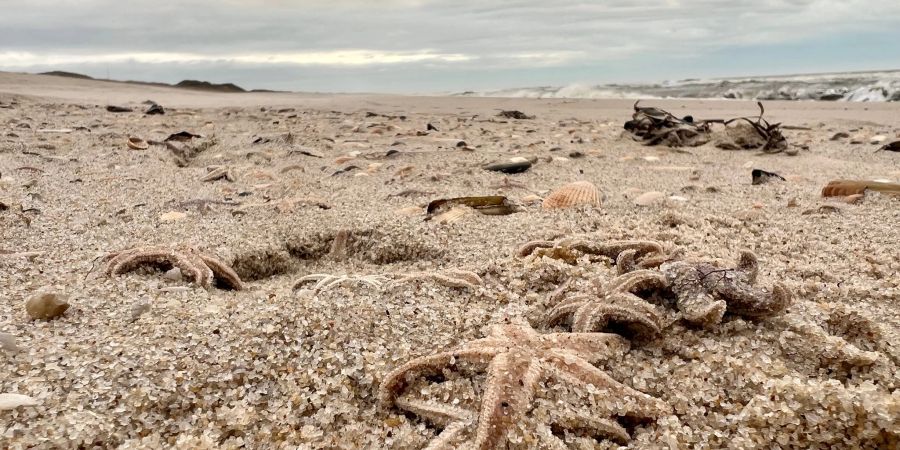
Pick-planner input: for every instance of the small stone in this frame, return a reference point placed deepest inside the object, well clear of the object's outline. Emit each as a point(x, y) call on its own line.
point(793, 203)
point(139, 308)
point(13, 401)
point(649, 198)
point(8, 343)
point(46, 306)
point(173, 274)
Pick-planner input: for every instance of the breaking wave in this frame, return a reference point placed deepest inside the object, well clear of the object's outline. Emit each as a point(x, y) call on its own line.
point(848, 86)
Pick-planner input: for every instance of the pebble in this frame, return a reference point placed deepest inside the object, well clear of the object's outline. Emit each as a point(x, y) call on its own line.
point(13, 401)
point(46, 306)
point(649, 198)
point(8, 343)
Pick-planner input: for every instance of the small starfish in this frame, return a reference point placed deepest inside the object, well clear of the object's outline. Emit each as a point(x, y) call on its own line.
point(617, 303)
point(705, 291)
point(569, 249)
point(517, 359)
point(450, 278)
point(201, 268)
point(326, 281)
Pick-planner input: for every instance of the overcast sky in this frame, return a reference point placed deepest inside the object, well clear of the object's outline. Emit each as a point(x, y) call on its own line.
point(445, 46)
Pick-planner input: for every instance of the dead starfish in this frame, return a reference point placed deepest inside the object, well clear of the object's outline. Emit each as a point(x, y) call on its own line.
point(326, 281)
point(517, 359)
point(201, 268)
point(617, 303)
point(450, 278)
point(705, 291)
point(569, 249)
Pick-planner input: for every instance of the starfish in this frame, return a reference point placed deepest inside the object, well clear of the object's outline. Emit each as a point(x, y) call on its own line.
point(705, 291)
point(617, 303)
point(449, 278)
point(518, 358)
point(569, 249)
point(201, 268)
point(326, 281)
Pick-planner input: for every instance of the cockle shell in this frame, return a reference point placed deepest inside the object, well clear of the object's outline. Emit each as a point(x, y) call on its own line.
point(46, 306)
point(573, 194)
point(136, 143)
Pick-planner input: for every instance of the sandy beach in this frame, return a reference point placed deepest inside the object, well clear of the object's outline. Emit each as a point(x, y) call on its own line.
point(337, 185)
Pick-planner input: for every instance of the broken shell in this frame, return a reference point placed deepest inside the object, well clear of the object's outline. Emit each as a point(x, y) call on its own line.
point(573, 194)
point(218, 173)
point(172, 216)
point(454, 214)
point(13, 401)
point(649, 198)
point(136, 143)
point(854, 199)
point(8, 343)
point(509, 167)
point(46, 306)
point(528, 199)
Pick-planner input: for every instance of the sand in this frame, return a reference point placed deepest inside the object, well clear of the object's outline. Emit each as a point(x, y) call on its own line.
point(275, 367)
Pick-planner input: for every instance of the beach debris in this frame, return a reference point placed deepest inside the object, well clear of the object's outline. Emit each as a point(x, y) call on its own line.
point(46, 306)
point(324, 281)
point(891, 147)
point(454, 278)
point(573, 194)
point(136, 143)
point(491, 205)
point(509, 167)
point(218, 173)
point(771, 140)
point(8, 343)
point(185, 153)
point(513, 114)
point(199, 267)
point(181, 136)
point(843, 188)
point(118, 109)
point(759, 176)
point(519, 359)
point(617, 304)
point(12, 401)
point(430, 127)
point(154, 109)
point(649, 198)
point(705, 290)
point(655, 126)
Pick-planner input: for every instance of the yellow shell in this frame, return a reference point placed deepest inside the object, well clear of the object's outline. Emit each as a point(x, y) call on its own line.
point(573, 194)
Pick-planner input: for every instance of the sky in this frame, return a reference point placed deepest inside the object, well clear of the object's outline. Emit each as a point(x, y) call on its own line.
point(437, 46)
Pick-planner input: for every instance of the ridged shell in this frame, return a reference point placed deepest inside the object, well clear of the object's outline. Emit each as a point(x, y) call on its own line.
point(841, 188)
point(136, 143)
point(573, 194)
point(453, 214)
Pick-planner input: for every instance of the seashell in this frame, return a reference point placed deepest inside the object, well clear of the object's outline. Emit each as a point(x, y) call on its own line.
point(531, 198)
point(877, 139)
point(843, 188)
point(452, 215)
point(46, 306)
point(172, 216)
point(649, 198)
point(854, 199)
point(509, 167)
point(343, 159)
point(13, 401)
point(136, 143)
point(573, 194)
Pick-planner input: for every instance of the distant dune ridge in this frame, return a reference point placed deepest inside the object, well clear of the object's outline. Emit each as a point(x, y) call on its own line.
point(184, 84)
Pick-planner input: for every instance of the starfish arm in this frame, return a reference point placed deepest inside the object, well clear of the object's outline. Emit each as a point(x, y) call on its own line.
point(593, 425)
point(205, 274)
point(611, 249)
point(749, 265)
point(746, 301)
point(131, 259)
point(438, 413)
point(465, 275)
point(511, 382)
point(626, 309)
point(529, 247)
point(589, 346)
point(700, 308)
point(639, 280)
point(449, 437)
point(223, 272)
point(625, 262)
point(564, 309)
point(630, 401)
point(396, 380)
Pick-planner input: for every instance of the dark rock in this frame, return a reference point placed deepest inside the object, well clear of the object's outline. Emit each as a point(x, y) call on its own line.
point(118, 109)
point(761, 176)
point(509, 167)
point(154, 109)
